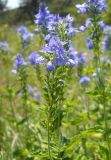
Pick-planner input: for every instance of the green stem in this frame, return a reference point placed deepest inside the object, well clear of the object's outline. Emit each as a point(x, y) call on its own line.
point(48, 128)
point(54, 97)
point(101, 88)
point(106, 130)
point(11, 103)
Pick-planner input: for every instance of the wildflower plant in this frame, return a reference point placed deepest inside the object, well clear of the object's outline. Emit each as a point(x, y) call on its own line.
point(21, 70)
point(96, 29)
point(25, 36)
point(21, 65)
point(58, 57)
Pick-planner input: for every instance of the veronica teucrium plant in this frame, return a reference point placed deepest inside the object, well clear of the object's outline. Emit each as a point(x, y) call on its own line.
point(58, 58)
point(21, 69)
point(25, 37)
point(20, 65)
point(96, 27)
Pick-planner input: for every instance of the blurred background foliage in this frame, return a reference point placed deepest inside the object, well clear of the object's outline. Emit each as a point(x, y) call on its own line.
point(28, 8)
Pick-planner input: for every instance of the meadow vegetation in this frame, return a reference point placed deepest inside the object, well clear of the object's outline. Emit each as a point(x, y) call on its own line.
point(55, 86)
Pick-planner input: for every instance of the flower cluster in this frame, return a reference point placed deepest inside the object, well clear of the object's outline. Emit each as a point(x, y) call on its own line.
point(58, 55)
point(22, 30)
point(58, 25)
point(19, 61)
point(89, 43)
point(54, 24)
point(84, 80)
point(81, 59)
point(101, 26)
point(35, 58)
point(93, 6)
point(43, 17)
point(26, 36)
point(58, 49)
point(88, 24)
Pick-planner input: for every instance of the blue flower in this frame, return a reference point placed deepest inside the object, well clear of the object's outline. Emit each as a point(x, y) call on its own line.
point(59, 55)
point(22, 29)
point(48, 37)
point(35, 58)
point(68, 25)
point(27, 37)
point(106, 44)
point(107, 30)
point(73, 54)
point(69, 19)
point(54, 22)
point(101, 24)
point(44, 16)
point(88, 22)
point(89, 43)
point(84, 80)
point(50, 66)
point(60, 61)
point(71, 62)
point(94, 6)
point(19, 61)
point(36, 31)
point(83, 8)
point(81, 58)
point(25, 34)
point(55, 45)
point(82, 28)
point(71, 31)
point(97, 6)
